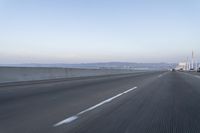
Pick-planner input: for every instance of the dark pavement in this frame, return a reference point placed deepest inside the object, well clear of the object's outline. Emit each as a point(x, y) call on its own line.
point(149, 102)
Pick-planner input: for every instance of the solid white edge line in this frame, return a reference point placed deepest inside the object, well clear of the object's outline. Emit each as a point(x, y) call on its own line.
point(72, 118)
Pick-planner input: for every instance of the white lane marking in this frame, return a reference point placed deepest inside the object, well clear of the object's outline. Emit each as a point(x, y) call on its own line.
point(68, 120)
point(72, 118)
point(189, 74)
point(159, 76)
point(197, 76)
point(106, 101)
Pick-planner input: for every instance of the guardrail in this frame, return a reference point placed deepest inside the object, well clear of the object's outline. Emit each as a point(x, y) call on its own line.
point(17, 74)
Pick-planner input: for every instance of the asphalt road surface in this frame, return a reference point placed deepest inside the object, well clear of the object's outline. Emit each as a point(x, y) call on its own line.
point(150, 102)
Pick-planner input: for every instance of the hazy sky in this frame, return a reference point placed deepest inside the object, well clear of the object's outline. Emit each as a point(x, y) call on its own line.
point(74, 31)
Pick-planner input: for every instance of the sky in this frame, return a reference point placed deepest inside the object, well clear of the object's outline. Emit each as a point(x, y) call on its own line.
point(82, 31)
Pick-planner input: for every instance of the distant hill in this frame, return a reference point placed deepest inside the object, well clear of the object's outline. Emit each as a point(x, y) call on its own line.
point(106, 65)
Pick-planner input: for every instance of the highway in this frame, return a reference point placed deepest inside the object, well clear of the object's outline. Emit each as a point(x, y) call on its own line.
point(146, 102)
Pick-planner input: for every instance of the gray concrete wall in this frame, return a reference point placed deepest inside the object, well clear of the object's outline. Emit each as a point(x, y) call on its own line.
point(16, 74)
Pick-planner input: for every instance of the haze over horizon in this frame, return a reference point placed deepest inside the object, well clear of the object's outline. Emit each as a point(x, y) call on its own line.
point(76, 31)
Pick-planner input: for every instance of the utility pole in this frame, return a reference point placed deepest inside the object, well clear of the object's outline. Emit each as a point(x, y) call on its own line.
point(187, 64)
point(196, 65)
point(192, 67)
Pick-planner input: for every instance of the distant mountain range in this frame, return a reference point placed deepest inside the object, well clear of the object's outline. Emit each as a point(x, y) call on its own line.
point(106, 65)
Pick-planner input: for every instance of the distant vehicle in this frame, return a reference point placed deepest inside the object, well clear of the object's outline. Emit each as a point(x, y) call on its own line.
point(198, 70)
point(173, 70)
point(181, 69)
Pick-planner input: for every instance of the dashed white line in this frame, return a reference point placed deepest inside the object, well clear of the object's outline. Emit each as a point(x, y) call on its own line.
point(73, 118)
point(159, 76)
point(68, 120)
point(197, 76)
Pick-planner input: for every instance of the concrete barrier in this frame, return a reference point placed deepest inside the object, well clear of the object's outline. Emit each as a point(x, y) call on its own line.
point(17, 74)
